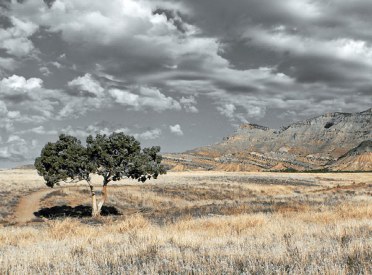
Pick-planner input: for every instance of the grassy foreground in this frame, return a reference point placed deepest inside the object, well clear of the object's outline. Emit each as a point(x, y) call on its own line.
point(206, 223)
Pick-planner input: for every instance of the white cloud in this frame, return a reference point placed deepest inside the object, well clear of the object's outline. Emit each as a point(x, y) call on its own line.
point(309, 10)
point(40, 130)
point(343, 48)
point(62, 56)
point(27, 99)
point(14, 114)
point(91, 95)
point(149, 134)
point(176, 129)
point(227, 110)
point(3, 109)
point(78, 132)
point(88, 84)
point(15, 85)
point(15, 40)
point(125, 97)
point(45, 71)
point(241, 108)
point(7, 63)
point(188, 103)
point(83, 132)
point(56, 64)
point(15, 149)
point(4, 152)
point(152, 97)
point(147, 97)
point(6, 118)
point(73, 107)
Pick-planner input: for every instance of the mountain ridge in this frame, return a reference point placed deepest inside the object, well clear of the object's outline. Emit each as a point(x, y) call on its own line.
point(303, 145)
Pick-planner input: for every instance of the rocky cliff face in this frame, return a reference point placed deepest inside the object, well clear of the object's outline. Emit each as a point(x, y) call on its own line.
point(309, 144)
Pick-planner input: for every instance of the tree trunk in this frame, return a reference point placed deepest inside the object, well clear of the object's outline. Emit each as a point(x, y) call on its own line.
point(95, 211)
point(103, 199)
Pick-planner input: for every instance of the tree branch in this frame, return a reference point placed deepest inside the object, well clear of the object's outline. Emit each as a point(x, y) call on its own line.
point(72, 181)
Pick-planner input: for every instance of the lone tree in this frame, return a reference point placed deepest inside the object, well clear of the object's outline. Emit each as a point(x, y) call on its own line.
point(113, 157)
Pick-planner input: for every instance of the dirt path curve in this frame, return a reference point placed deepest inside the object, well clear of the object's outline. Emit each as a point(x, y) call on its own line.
point(28, 205)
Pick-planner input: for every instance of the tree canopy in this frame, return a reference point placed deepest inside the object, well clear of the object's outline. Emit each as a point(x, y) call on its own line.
point(65, 159)
point(118, 156)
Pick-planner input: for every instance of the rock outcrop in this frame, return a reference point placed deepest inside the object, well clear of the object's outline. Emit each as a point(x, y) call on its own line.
point(306, 145)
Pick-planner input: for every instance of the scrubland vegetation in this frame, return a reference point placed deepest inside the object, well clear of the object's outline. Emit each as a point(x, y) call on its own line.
point(203, 223)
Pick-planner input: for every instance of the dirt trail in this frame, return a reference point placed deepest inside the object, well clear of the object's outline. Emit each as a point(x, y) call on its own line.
point(28, 205)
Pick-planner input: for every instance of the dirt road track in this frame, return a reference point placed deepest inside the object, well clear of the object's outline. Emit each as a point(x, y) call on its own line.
point(28, 205)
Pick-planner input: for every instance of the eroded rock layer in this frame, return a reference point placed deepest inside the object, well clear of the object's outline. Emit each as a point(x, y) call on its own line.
point(316, 143)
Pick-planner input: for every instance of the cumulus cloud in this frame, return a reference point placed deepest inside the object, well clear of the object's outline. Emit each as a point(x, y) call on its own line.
point(75, 107)
point(137, 98)
point(111, 32)
point(87, 84)
point(149, 134)
point(83, 132)
point(176, 129)
point(18, 85)
point(147, 97)
point(17, 92)
point(15, 40)
point(188, 103)
point(227, 110)
point(7, 118)
point(15, 148)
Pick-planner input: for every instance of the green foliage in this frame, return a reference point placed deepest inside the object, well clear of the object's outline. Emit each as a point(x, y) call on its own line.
point(114, 157)
point(63, 160)
point(118, 156)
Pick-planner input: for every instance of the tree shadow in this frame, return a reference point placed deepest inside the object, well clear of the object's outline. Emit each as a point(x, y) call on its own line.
point(79, 211)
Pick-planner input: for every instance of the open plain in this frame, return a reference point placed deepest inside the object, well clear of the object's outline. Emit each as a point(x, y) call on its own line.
point(191, 222)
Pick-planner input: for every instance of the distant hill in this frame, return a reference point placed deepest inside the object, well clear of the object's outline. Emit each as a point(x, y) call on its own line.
point(306, 145)
point(26, 166)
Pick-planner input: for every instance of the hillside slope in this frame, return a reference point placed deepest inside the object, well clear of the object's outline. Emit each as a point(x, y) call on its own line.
point(305, 145)
point(357, 159)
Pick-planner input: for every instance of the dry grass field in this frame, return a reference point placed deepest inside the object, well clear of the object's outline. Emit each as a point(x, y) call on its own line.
point(192, 223)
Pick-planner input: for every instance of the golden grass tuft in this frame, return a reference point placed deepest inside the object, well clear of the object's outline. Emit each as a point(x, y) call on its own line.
point(67, 229)
point(221, 225)
point(132, 223)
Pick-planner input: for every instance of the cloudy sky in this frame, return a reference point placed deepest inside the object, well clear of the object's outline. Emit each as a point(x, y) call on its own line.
point(180, 73)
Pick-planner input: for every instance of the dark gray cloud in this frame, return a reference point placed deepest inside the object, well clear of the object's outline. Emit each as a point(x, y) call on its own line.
point(267, 33)
point(174, 17)
point(331, 71)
